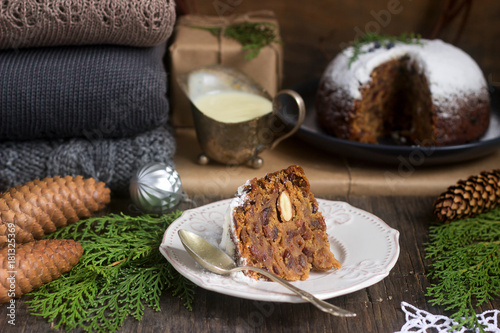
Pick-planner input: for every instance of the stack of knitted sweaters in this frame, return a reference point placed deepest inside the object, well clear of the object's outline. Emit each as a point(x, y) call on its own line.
point(83, 89)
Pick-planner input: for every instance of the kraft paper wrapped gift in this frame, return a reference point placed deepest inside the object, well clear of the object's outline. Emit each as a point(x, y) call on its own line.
point(194, 47)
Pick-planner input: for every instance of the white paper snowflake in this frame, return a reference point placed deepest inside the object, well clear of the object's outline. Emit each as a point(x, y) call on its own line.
point(420, 321)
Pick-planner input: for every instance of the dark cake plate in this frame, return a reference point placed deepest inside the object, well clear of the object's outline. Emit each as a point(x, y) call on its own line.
point(389, 153)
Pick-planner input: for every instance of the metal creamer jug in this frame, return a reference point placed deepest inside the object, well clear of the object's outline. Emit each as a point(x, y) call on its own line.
point(232, 132)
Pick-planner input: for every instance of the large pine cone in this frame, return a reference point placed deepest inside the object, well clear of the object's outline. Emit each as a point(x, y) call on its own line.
point(478, 194)
point(42, 206)
point(26, 267)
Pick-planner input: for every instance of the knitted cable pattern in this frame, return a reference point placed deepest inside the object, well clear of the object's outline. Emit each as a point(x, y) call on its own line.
point(113, 161)
point(30, 23)
point(81, 91)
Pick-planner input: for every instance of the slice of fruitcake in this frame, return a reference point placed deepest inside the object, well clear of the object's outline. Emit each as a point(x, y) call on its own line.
point(274, 223)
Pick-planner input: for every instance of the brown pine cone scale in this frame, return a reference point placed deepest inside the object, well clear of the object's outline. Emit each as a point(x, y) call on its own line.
point(478, 194)
point(26, 267)
point(40, 207)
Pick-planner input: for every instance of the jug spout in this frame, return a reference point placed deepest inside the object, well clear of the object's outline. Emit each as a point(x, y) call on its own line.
point(217, 78)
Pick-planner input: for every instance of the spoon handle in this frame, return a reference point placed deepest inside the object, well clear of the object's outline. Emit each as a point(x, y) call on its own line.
point(322, 305)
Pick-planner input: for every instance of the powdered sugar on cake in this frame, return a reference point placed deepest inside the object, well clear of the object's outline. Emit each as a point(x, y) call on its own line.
point(428, 92)
point(449, 70)
point(228, 232)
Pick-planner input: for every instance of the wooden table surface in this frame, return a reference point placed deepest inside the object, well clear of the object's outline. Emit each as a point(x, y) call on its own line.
point(378, 307)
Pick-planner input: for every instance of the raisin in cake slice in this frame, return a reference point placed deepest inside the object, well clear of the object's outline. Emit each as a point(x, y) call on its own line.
point(274, 223)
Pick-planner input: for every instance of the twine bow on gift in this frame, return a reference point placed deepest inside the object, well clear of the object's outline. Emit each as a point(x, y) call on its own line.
point(252, 30)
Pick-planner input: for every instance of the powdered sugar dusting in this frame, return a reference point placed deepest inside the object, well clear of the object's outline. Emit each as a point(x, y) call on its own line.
point(243, 278)
point(228, 231)
point(448, 69)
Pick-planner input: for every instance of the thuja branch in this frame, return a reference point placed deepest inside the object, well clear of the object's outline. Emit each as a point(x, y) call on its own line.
point(380, 41)
point(119, 273)
point(465, 269)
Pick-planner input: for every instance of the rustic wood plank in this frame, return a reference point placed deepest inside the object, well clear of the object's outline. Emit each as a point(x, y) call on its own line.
point(377, 307)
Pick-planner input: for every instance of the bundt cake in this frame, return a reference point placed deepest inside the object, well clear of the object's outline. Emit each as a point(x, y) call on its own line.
point(274, 223)
point(423, 92)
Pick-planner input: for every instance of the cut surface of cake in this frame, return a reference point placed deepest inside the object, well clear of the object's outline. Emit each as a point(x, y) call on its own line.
point(428, 93)
point(274, 223)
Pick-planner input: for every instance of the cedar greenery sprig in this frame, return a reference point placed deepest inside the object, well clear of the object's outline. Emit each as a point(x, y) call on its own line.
point(120, 271)
point(253, 36)
point(465, 265)
point(384, 41)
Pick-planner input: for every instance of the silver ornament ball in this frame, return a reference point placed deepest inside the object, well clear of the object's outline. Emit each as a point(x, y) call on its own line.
point(156, 188)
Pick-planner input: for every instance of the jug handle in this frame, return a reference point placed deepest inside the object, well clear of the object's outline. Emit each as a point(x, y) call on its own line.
point(302, 113)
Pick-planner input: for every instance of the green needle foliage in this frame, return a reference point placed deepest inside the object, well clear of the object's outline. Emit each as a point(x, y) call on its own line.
point(380, 41)
point(253, 36)
point(465, 265)
point(119, 272)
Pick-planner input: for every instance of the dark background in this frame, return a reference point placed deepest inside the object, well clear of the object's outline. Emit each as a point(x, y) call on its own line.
point(314, 31)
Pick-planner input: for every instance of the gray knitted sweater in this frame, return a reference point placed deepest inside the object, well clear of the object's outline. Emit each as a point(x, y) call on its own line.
point(81, 91)
point(113, 161)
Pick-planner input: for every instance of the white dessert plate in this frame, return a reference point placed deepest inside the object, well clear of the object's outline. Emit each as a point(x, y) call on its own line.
point(365, 245)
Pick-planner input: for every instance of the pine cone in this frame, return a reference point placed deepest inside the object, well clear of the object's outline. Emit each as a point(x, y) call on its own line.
point(35, 263)
point(478, 194)
point(42, 206)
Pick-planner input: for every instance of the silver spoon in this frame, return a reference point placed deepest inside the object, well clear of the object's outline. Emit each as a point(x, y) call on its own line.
point(217, 261)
